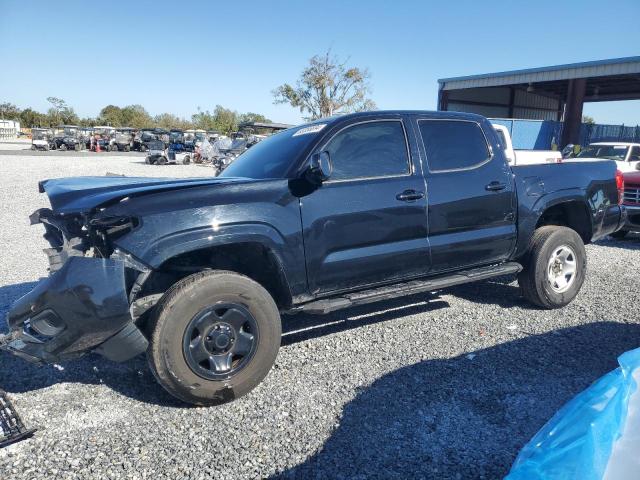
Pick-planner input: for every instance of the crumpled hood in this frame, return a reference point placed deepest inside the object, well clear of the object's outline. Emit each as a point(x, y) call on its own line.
point(82, 194)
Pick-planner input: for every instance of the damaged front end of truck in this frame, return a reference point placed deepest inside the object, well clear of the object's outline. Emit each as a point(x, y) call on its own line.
point(88, 301)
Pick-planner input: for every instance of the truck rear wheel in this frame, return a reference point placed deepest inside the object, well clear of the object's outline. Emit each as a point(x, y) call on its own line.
point(214, 337)
point(555, 266)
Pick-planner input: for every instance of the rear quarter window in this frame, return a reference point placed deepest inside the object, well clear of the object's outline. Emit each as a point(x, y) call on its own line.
point(453, 144)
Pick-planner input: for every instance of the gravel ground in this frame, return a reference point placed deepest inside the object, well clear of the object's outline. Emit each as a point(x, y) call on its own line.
point(444, 385)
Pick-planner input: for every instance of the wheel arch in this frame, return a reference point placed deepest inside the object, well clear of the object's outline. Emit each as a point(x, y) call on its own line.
point(256, 259)
point(571, 212)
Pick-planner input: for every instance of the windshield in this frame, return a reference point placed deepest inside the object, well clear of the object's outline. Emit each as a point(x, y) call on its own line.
point(39, 134)
point(609, 152)
point(272, 157)
point(102, 131)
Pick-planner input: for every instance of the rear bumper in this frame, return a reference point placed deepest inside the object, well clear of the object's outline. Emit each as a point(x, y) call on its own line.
point(81, 307)
point(610, 220)
point(632, 218)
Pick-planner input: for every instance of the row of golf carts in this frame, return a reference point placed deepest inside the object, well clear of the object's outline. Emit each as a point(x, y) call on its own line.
point(210, 147)
point(162, 146)
point(110, 139)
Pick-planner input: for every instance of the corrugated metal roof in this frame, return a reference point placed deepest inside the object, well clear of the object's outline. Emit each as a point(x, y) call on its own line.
point(599, 68)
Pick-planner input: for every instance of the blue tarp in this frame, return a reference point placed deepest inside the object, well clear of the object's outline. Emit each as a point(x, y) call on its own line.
point(577, 442)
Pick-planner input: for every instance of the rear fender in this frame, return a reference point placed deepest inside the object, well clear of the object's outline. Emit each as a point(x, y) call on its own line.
point(536, 202)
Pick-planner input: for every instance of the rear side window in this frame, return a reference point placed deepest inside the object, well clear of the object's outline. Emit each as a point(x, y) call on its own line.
point(366, 150)
point(453, 144)
point(501, 139)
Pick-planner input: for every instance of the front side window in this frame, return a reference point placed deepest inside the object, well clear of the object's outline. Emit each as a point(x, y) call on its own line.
point(366, 150)
point(453, 144)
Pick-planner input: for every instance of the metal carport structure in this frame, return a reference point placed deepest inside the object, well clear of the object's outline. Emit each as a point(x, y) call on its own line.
point(546, 93)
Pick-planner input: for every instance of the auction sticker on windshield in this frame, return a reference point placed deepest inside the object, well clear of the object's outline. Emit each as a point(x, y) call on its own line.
point(310, 129)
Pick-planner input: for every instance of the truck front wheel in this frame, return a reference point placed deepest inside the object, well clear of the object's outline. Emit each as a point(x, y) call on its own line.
point(554, 268)
point(214, 337)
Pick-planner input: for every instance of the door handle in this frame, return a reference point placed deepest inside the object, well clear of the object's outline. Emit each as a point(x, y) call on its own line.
point(410, 196)
point(495, 186)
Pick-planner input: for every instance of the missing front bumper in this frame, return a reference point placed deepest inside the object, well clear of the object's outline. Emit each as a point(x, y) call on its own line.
point(77, 309)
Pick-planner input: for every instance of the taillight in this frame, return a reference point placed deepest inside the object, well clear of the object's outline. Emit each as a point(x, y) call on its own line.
point(620, 185)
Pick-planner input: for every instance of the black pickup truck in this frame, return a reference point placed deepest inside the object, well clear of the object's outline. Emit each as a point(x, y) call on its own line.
point(331, 214)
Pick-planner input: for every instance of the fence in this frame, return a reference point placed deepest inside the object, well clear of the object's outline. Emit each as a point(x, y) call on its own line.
point(544, 134)
point(8, 133)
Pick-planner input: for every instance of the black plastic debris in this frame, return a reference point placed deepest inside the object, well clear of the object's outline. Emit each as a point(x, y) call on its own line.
point(11, 427)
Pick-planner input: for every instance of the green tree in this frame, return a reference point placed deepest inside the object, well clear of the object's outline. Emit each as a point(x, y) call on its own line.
point(31, 118)
point(169, 120)
point(253, 117)
point(60, 112)
point(588, 120)
point(111, 115)
point(225, 120)
point(327, 87)
point(203, 120)
point(136, 116)
point(8, 111)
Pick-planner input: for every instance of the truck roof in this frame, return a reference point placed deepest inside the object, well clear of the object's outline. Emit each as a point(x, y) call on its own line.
point(430, 113)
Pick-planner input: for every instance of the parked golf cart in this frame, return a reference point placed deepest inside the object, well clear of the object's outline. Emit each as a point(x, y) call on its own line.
point(163, 135)
point(41, 138)
point(183, 157)
point(67, 137)
point(189, 139)
point(104, 137)
point(123, 141)
point(86, 134)
point(158, 153)
point(198, 137)
point(142, 138)
point(176, 140)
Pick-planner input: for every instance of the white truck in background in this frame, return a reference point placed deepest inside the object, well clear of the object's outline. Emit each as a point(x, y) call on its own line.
point(626, 155)
point(524, 157)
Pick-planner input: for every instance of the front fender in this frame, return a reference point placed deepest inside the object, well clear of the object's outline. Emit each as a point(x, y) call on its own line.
point(287, 252)
point(209, 236)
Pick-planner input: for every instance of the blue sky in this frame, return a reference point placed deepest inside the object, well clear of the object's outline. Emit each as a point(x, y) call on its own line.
point(176, 56)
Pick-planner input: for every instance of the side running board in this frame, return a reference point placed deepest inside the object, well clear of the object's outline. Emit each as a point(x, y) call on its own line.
point(378, 294)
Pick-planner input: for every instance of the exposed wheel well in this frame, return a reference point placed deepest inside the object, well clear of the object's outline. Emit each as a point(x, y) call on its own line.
point(250, 259)
point(573, 214)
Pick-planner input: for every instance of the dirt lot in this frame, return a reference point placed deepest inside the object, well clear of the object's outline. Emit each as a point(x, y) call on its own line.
point(444, 385)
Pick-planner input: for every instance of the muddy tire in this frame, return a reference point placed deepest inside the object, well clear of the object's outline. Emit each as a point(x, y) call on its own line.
point(554, 267)
point(214, 336)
